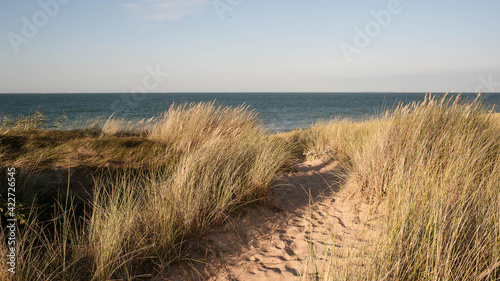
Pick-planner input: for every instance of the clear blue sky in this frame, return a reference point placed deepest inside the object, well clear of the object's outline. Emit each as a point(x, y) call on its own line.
point(249, 45)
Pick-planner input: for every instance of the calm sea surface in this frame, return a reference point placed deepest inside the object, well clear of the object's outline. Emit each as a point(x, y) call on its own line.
point(278, 111)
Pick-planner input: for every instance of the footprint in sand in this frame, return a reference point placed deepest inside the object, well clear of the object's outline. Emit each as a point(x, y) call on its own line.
point(280, 250)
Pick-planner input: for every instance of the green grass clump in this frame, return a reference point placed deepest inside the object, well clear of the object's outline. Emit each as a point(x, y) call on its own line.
point(440, 171)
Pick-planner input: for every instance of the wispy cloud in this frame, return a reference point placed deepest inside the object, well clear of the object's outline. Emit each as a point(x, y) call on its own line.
point(164, 10)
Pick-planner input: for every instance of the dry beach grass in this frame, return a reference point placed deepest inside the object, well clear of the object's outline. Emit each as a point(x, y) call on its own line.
point(436, 167)
point(169, 184)
point(412, 195)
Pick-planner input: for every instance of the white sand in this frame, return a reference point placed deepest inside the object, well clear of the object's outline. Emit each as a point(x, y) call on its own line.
point(271, 244)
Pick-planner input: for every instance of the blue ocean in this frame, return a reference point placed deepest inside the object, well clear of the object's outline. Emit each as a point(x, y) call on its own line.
point(277, 111)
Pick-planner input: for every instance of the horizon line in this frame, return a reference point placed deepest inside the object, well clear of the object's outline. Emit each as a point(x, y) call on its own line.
point(262, 92)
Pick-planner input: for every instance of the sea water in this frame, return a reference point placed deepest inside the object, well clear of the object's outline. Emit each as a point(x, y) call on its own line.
point(277, 111)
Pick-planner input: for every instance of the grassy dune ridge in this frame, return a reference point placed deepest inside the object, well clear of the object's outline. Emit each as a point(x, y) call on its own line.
point(206, 161)
point(436, 164)
point(433, 167)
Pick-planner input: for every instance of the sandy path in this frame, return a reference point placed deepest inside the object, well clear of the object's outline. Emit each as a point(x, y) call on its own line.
point(276, 243)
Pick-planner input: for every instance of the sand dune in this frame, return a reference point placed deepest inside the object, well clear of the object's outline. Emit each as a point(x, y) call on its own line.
point(275, 242)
